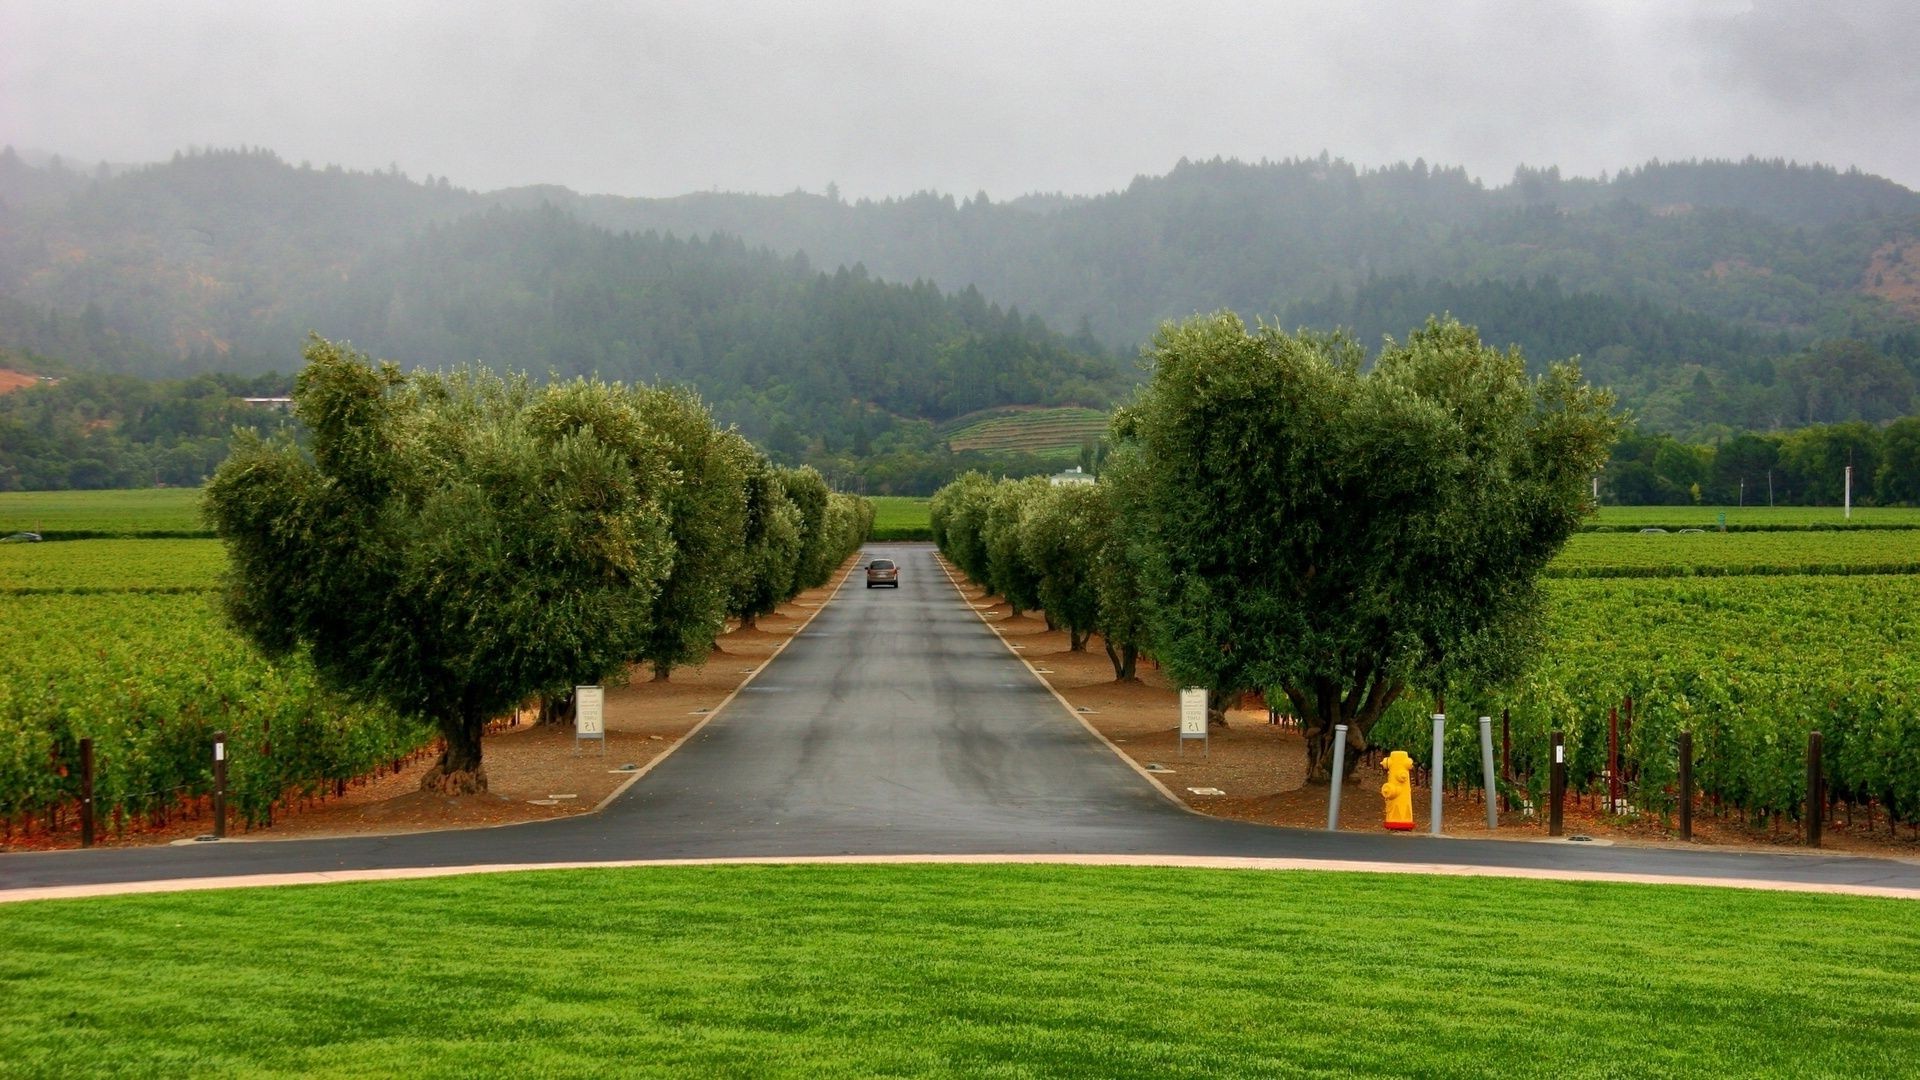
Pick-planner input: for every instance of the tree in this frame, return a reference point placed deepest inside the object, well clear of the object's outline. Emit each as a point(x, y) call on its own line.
point(1341, 535)
point(1061, 534)
point(440, 549)
point(1898, 478)
point(1008, 571)
point(707, 513)
point(770, 551)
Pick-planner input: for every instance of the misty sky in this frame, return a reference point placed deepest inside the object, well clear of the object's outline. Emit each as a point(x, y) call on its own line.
point(887, 98)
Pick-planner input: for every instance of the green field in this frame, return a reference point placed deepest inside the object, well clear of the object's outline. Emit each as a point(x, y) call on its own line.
point(141, 510)
point(112, 566)
point(961, 971)
point(900, 517)
point(1790, 552)
point(1755, 517)
point(1029, 431)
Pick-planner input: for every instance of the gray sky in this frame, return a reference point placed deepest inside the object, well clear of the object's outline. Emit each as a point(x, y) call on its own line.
point(892, 97)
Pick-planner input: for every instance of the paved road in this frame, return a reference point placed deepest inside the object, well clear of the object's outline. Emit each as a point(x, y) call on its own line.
point(897, 723)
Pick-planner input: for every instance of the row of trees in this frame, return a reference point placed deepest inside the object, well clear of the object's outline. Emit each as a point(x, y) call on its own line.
point(1804, 467)
point(1275, 517)
point(452, 545)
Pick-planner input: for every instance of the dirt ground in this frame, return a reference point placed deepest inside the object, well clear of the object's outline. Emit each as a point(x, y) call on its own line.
point(534, 771)
point(1260, 767)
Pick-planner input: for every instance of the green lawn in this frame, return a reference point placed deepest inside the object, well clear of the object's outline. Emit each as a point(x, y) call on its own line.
point(961, 971)
point(174, 510)
point(901, 517)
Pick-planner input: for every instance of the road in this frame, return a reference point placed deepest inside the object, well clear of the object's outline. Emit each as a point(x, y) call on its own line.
point(898, 724)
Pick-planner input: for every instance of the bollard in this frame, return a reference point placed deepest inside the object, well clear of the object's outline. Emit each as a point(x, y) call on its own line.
point(220, 784)
point(1438, 773)
point(1486, 771)
point(1557, 791)
point(1816, 794)
point(86, 792)
point(1339, 772)
point(1686, 785)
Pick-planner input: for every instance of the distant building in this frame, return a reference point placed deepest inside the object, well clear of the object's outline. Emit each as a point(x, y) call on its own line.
point(1075, 475)
point(281, 403)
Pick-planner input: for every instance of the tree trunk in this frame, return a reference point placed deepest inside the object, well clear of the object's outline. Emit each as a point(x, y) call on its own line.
point(1324, 706)
point(557, 710)
point(1047, 616)
point(1076, 640)
point(459, 772)
point(661, 671)
point(749, 621)
point(1124, 661)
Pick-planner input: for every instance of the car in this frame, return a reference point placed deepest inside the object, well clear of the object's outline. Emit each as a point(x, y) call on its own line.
point(882, 572)
point(21, 538)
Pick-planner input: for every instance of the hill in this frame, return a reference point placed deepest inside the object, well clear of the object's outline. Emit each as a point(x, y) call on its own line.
point(1711, 293)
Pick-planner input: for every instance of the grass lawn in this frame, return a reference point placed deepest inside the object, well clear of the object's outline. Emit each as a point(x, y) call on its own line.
point(901, 517)
point(961, 971)
point(104, 512)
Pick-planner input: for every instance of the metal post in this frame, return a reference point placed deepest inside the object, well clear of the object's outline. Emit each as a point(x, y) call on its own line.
point(1613, 761)
point(1557, 784)
point(1816, 802)
point(1339, 773)
point(1486, 771)
point(1686, 785)
point(220, 784)
point(1506, 755)
point(86, 792)
point(1437, 773)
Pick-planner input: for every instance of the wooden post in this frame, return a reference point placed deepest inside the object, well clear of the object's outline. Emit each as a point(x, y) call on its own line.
point(1506, 758)
point(1686, 785)
point(220, 784)
point(1816, 803)
point(86, 792)
point(1613, 760)
point(1558, 784)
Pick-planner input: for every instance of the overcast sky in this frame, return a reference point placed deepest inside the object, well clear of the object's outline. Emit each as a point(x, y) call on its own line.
point(888, 98)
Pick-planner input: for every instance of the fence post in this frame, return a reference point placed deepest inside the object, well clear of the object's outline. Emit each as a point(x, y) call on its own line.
point(1437, 775)
point(1613, 760)
point(220, 784)
point(1339, 773)
point(86, 792)
point(1486, 771)
point(1816, 803)
point(1686, 785)
point(1557, 784)
point(1506, 756)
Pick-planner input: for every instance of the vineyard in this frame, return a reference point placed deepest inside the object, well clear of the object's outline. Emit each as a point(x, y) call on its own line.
point(1738, 518)
point(1033, 431)
point(900, 517)
point(150, 678)
point(99, 566)
point(1748, 665)
point(67, 515)
point(1678, 554)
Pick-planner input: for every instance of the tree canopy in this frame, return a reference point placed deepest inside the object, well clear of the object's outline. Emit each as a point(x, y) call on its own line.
point(1336, 534)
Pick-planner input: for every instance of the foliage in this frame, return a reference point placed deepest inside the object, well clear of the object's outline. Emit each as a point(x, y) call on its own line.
point(770, 539)
point(149, 678)
point(1061, 532)
point(448, 549)
point(1337, 535)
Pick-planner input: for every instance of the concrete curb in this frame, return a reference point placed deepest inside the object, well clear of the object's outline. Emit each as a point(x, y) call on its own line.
point(1188, 862)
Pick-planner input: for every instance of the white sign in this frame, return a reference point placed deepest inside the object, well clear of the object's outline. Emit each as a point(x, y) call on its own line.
point(589, 712)
point(1193, 713)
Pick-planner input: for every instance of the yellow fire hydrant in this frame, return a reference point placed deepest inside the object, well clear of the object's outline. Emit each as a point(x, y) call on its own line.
point(1398, 791)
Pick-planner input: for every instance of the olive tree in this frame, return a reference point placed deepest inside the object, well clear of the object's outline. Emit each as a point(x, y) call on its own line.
point(770, 542)
point(440, 549)
point(1340, 534)
point(1062, 531)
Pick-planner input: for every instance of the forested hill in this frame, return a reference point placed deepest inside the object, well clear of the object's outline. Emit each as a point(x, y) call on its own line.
point(1709, 293)
point(225, 261)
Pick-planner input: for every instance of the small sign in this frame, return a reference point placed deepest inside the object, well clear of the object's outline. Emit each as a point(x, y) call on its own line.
point(589, 715)
point(1559, 755)
point(1193, 718)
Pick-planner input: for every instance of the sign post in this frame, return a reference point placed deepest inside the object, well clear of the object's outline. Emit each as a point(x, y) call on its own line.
point(589, 716)
point(1193, 719)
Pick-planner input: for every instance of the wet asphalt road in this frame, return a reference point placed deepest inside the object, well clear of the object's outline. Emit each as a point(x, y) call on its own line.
point(897, 723)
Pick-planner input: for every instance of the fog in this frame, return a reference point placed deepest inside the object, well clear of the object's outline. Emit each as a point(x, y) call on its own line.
point(888, 98)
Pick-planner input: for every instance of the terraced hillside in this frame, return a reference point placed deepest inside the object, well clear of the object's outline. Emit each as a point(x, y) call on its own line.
point(1029, 431)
